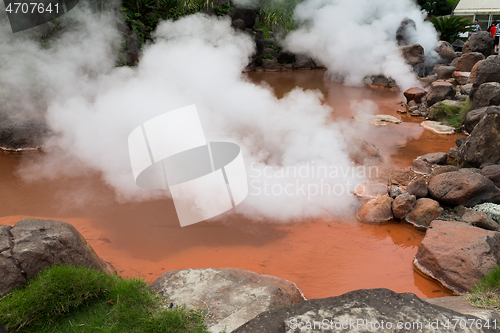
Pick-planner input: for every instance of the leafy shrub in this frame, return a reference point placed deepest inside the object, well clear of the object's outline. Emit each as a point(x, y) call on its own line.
point(449, 27)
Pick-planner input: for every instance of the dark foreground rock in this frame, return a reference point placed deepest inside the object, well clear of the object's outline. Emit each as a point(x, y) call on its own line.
point(457, 254)
point(230, 296)
point(33, 245)
point(22, 133)
point(359, 311)
point(480, 42)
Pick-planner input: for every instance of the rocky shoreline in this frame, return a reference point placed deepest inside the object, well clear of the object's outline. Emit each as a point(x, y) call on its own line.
point(234, 300)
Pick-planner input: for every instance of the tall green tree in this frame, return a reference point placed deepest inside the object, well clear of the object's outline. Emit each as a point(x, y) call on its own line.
point(436, 7)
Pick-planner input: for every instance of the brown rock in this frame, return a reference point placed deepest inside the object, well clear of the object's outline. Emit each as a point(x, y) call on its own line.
point(11, 275)
point(444, 72)
point(435, 158)
point(442, 169)
point(365, 191)
point(423, 213)
point(364, 152)
point(446, 51)
point(487, 70)
point(418, 188)
point(402, 205)
point(463, 188)
point(415, 57)
point(487, 94)
point(375, 210)
point(468, 60)
point(414, 94)
point(482, 146)
point(440, 90)
point(421, 167)
point(481, 42)
point(492, 172)
point(473, 117)
point(230, 296)
point(479, 219)
point(457, 254)
point(461, 77)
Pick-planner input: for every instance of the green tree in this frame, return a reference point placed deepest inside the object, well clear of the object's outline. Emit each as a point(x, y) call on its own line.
point(436, 7)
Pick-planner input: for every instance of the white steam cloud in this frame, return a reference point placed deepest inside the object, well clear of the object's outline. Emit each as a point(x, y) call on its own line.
point(93, 106)
point(355, 38)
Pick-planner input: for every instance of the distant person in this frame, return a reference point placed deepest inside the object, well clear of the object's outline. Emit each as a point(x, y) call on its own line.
point(493, 29)
point(476, 27)
point(497, 36)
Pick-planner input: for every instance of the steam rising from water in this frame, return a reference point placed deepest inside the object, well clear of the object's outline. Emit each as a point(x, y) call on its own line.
point(357, 38)
point(93, 106)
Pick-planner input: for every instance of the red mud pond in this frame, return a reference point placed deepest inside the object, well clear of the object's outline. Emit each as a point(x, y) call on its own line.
point(324, 257)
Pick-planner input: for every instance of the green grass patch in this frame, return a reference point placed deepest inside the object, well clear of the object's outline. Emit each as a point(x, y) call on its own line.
point(487, 293)
point(75, 299)
point(278, 15)
point(450, 114)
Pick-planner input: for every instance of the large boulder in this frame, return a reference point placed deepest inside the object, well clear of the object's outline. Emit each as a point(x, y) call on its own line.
point(457, 254)
point(473, 117)
point(364, 310)
point(22, 133)
point(414, 56)
point(440, 90)
point(482, 146)
point(487, 94)
point(463, 188)
point(33, 245)
point(467, 61)
point(230, 296)
point(435, 158)
point(302, 62)
point(481, 42)
point(487, 70)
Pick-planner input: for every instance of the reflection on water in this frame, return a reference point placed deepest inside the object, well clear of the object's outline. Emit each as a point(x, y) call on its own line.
point(323, 257)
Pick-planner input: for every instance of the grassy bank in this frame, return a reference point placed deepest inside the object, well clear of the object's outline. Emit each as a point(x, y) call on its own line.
point(70, 299)
point(487, 292)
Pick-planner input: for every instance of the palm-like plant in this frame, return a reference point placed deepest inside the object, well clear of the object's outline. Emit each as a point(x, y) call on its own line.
point(449, 27)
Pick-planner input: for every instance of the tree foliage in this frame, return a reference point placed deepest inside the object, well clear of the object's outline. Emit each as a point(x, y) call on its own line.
point(449, 27)
point(436, 7)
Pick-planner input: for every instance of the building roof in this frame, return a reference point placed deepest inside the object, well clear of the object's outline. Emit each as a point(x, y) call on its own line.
point(478, 7)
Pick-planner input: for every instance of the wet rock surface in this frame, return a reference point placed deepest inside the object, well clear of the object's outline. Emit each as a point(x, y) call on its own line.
point(230, 296)
point(414, 94)
point(33, 245)
point(367, 305)
point(435, 158)
point(457, 254)
point(437, 128)
point(366, 191)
